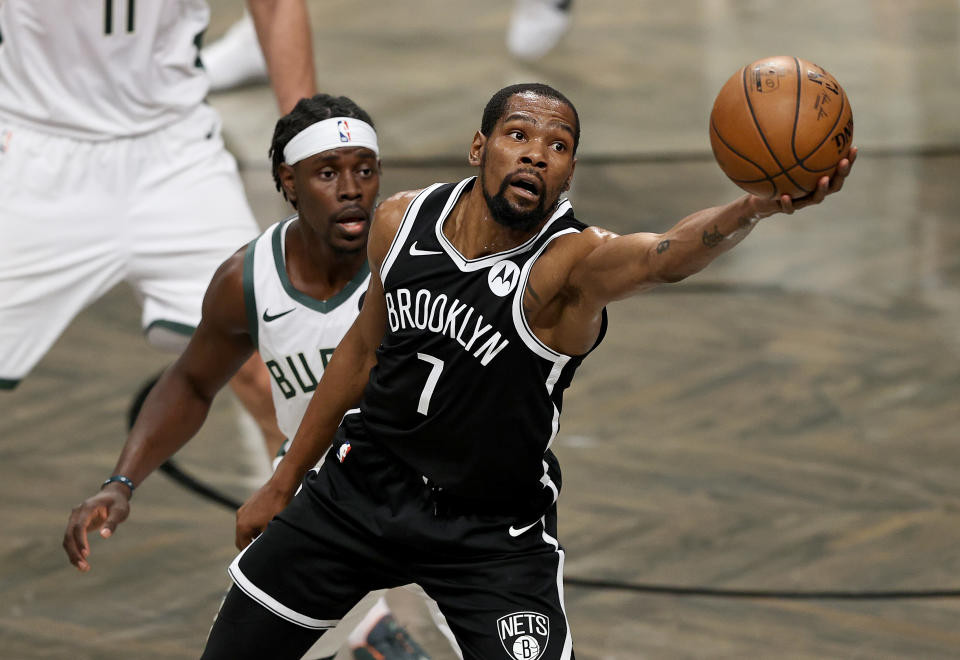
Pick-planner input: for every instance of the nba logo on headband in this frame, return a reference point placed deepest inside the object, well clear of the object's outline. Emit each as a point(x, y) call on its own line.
point(333, 133)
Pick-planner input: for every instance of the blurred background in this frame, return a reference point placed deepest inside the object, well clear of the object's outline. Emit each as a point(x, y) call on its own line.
point(781, 425)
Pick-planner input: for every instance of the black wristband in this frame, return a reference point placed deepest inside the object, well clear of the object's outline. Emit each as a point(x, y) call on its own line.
point(121, 479)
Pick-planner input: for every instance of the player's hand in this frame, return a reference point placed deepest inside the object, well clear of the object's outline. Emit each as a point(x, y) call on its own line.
point(256, 512)
point(103, 511)
point(825, 186)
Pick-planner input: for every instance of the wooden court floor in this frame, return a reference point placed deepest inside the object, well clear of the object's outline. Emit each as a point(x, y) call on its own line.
point(787, 421)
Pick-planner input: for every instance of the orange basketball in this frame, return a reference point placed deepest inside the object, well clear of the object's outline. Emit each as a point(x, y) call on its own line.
point(778, 125)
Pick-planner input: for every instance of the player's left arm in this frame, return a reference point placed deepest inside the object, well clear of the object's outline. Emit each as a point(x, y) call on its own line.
point(283, 29)
point(615, 267)
point(174, 410)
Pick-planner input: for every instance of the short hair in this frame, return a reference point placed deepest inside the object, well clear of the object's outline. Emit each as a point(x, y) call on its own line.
point(497, 106)
point(306, 112)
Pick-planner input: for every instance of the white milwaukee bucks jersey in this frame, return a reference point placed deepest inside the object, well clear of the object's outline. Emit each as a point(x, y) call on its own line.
point(100, 69)
point(295, 334)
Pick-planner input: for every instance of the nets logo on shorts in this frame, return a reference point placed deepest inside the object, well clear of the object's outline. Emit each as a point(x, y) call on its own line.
point(524, 635)
point(344, 129)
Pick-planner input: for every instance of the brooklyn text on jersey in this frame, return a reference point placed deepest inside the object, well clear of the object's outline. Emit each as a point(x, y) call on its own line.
point(425, 310)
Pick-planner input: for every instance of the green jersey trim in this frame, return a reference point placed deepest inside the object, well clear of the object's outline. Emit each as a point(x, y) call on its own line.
point(323, 306)
point(173, 326)
point(6, 384)
point(198, 42)
point(250, 294)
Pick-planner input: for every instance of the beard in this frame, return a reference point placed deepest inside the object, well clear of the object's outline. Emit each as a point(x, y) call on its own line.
point(507, 215)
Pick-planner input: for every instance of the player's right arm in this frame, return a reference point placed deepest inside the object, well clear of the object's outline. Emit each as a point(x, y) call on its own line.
point(283, 30)
point(175, 408)
point(340, 388)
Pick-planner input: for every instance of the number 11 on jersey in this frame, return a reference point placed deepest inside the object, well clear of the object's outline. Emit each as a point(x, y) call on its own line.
point(108, 16)
point(436, 366)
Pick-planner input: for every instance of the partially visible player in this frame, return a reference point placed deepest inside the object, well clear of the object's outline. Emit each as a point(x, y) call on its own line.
point(536, 27)
point(235, 59)
point(113, 168)
point(291, 294)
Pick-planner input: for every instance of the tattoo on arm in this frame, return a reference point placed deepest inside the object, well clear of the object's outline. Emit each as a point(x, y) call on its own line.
point(712, 239)
point(533, 294)
point(663, 246)
point(529, 292)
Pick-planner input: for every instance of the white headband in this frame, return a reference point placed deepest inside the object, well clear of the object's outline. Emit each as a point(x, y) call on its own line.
point(333, 133)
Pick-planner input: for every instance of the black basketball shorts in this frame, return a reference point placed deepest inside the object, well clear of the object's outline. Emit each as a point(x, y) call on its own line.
point(366, 521)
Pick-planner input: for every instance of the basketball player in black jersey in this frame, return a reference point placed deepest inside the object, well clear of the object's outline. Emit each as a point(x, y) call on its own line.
point(440, 404)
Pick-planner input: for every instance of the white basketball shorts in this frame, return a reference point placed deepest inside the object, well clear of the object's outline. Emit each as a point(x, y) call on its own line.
point(161, 211)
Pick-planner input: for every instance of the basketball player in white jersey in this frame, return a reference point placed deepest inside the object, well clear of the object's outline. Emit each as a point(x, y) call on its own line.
point(113, 169)
point(292, 293)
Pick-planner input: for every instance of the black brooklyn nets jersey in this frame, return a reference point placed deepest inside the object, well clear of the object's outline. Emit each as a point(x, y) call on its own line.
point(463, 391)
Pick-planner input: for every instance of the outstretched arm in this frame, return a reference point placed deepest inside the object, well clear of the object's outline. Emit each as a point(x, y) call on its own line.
point(283, 29)
point(620, 266)
point(340, 388)
point(175, 408)
point(576, 278)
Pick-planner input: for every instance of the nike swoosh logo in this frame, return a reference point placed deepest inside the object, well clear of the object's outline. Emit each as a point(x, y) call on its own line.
point(417, 252)
point(267, 317)
point(514, 532)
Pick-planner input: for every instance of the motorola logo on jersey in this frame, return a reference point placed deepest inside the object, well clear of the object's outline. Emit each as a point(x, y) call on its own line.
point(344, 128)
point(524, 635)
point(503, 277)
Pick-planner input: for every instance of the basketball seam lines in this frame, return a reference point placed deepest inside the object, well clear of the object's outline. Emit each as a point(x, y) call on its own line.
point(800, 162)
point(783, 171)
point(796, 114)
point(755, 164)
point(843, 106)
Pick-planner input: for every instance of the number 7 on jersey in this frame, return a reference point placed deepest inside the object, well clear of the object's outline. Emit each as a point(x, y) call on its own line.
point(436, 366)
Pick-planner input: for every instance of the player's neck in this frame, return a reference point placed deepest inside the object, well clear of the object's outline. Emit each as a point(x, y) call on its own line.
point(315, 267)
point(475, 233)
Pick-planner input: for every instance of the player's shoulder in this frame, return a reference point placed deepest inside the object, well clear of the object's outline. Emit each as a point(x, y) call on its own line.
point(580, 243)
point(386, 222)
point(392, 209)
point(232, 267)
point(224, 300)
point(227, 282)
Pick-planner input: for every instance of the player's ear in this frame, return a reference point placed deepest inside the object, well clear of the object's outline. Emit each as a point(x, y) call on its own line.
point(476, 149)
point(286, 180)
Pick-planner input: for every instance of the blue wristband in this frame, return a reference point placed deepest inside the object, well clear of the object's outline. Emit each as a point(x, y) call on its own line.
point(121, 479)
